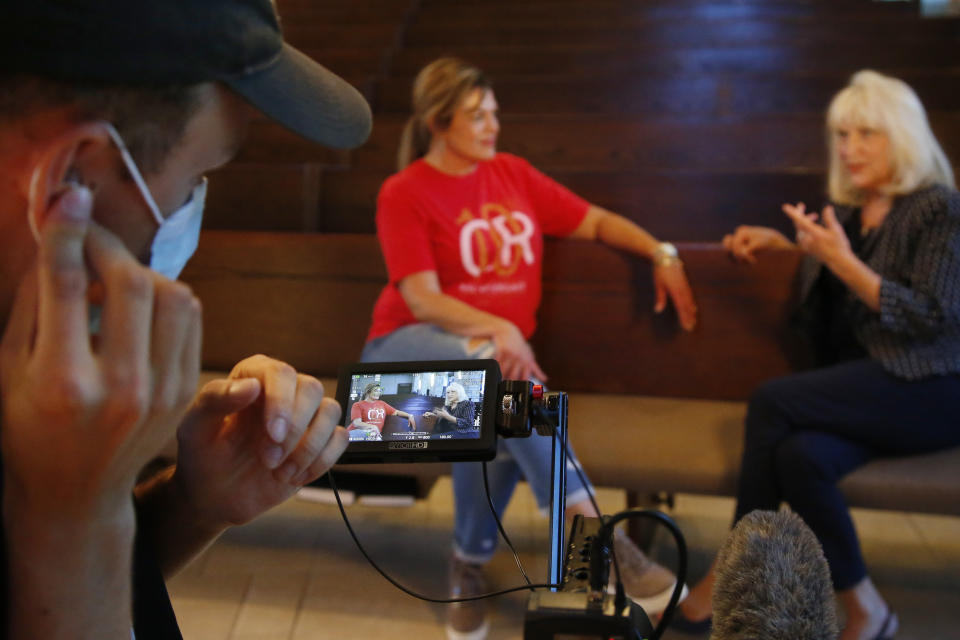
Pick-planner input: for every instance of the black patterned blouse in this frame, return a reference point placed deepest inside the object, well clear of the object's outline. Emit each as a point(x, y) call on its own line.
point(916, 251)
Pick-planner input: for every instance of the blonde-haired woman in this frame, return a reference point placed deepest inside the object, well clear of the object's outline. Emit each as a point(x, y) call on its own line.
point(461, 227)
point(456, 416)
point(880, 292)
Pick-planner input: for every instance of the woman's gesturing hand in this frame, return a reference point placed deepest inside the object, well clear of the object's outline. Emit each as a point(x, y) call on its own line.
point(827, 242)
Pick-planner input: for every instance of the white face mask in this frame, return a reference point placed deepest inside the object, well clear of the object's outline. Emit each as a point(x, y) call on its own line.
point(177, 235)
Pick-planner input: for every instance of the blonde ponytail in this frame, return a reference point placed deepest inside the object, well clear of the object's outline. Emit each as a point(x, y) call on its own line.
point(414, 142)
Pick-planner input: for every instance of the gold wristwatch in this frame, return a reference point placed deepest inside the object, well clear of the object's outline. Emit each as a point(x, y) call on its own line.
point(665, 255)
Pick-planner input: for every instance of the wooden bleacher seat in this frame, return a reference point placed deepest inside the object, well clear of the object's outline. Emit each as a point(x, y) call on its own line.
point(653, 409)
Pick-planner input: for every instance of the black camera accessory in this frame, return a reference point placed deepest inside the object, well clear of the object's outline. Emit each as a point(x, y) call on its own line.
point(582, 608)
point(525, 406)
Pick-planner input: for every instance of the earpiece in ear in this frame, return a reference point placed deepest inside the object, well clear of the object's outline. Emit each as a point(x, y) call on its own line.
point(73, 177)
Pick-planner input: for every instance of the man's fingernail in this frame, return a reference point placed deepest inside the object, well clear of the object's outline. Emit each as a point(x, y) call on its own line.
point(277, 430)
point(76, 204)
point(239, 386)
point(272, 456)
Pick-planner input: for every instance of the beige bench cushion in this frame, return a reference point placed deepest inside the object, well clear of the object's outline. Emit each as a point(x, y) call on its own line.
point(658, 444)
point(694, 446)
point(674, 445)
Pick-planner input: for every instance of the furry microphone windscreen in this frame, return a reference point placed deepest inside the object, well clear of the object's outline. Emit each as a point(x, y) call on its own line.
point(772, 581)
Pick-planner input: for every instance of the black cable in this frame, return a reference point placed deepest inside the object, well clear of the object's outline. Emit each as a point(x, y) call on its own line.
point(606, 533)
point(503, 533)
point(356, 540)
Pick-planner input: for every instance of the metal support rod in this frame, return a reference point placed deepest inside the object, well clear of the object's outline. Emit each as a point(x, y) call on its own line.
point(558, 493)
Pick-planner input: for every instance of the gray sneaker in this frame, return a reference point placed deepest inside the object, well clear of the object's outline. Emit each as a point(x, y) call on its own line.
point(647, 583)
point(467, 620)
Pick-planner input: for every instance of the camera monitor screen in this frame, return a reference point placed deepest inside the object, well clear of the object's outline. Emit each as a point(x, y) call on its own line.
point(419, 411)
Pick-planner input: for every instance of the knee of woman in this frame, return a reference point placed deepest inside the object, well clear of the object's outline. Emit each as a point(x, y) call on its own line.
point(764, 408)
point(798, 464)
point(794, 454)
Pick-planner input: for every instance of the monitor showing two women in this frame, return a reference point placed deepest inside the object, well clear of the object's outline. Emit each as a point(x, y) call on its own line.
point(420, 405)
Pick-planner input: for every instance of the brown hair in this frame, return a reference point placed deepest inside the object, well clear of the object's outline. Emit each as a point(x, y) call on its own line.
point(151, 120)
point(437, 91)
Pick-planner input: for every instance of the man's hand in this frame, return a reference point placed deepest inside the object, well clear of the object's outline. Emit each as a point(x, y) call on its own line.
point(670, 280)
point(82, 415)
point(250, 441)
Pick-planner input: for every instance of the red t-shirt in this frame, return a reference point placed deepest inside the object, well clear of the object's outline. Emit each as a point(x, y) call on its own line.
point(482, 233)
point(373, 412)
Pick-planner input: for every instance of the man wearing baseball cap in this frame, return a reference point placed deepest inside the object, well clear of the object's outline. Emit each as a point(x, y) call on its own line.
point(111, 112)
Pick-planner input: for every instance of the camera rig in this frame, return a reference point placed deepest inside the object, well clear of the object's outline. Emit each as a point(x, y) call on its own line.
point(581, 609)
point(577, 607)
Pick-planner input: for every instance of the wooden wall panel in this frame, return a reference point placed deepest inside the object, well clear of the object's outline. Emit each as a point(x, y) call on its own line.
point(303, 298)
point(684, 206)
point(628, 62)
point(586, 25)
point(679, 95)
point(596, 143)
point(271, 196)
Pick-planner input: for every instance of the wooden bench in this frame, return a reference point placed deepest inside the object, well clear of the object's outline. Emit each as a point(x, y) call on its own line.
point(652, 409)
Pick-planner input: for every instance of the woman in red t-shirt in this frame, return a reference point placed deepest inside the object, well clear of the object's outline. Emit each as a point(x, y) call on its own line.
point(369, 413)
point(461, 227)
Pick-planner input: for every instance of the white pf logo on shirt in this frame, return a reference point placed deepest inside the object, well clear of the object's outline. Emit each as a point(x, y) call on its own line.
point(496, 243)
point(375, 414)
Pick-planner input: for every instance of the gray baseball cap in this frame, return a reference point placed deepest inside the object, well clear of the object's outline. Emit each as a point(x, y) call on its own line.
point(162, 42)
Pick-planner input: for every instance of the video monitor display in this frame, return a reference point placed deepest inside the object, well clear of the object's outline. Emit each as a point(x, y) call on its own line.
point(419, 410)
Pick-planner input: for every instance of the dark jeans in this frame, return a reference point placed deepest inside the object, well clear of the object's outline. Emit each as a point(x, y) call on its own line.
point(804, 432)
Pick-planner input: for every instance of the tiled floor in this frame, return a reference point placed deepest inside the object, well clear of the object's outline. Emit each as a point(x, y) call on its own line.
point(295, 574)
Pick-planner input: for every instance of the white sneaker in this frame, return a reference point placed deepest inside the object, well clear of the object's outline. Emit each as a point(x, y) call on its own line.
point(647, 583)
